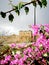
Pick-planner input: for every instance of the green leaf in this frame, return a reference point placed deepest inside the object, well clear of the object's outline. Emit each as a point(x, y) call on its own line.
point(33, 47)
point(45, 55)
point(44, 2)
point(26, 10)
point(47, 37)
point(29, 59)
point(39, 3)
point(3, 49)
point(11, 17)
point(41, 48)
point(14, 51)
point(22, 55)
point(16, 7)
point(48, 54)
point(18, 12)
point(3, 14)
point(34, 3)
point(20, 5)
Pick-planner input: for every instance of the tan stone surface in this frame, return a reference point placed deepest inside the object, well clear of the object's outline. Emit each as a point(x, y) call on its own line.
point(24, 36)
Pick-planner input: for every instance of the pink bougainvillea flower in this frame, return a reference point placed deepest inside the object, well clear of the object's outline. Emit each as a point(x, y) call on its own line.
point(8, 58)
point(47, 27)
point(25, 57)
point(3, 62)
point(39, 54)
point(21, 45)
point(35, 29)
point(14, 62)
point(13, 45)
point(17, 56)
point(44, 61)
point(20, 62)
point(25, 51)
point(41, 40)
point(37, 50)
point(29, 55)
point(29, 50)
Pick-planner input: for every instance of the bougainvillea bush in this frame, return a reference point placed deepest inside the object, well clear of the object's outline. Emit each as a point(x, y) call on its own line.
point(36, 53)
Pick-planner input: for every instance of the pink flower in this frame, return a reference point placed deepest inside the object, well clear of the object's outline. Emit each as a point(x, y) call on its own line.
point(47, 27)
point(39, 54)
point(25, 51)
point(13, 45)
point(21, 62)
point(29, 55)
point(35, 29)
point(3, 61)
point(25, 57)
point(21, 45)
point(17, 56)
point(36, 49)
point(43, 60)
point(41, 41)
point(13, 62)
point(29, 50)
point(7, 58)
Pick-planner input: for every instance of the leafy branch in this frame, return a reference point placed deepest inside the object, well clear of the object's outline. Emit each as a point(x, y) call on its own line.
point(17, 8)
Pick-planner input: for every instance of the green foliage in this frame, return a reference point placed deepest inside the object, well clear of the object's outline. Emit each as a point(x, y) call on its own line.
point(20, 5)
point(26, 10)
point(11, 17)
point(41, 48)
point(14, 51)
point(17, 8)
point(47, 37)
point(39, 3)
point(3, 49)
point(48, 54)
point(42, 30)
point(29, 59)
point(44, 3)
point(34, 3)
point(33, 47)
point(3, 14)
point(18, 12)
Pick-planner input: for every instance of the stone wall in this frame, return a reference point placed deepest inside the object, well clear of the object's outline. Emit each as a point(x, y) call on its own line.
point(24, 36)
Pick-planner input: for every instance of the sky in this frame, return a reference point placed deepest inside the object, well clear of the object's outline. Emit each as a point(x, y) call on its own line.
point(21, 22)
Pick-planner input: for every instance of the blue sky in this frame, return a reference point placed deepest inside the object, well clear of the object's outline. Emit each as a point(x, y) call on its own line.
point(21, 22)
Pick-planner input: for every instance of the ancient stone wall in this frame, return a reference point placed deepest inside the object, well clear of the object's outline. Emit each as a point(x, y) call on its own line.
point(24, 36)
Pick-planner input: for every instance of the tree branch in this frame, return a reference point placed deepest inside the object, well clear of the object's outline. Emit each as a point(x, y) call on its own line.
point(10, 11)
point(23, 6)
point(29, 3)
